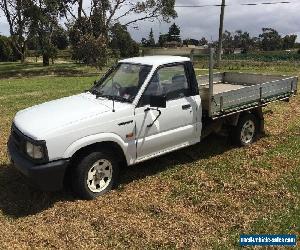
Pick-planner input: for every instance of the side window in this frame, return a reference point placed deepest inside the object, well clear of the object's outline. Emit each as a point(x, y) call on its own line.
point(170, 81)
point(154, 87)
point(173, 82)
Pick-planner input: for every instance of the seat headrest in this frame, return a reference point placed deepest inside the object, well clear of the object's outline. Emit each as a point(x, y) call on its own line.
point(144, 71)
point(178, 79)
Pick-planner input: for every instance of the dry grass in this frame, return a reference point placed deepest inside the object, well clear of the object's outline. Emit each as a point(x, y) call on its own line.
point(201, 197)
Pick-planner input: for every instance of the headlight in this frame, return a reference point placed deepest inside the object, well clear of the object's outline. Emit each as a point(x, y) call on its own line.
point(34, 151)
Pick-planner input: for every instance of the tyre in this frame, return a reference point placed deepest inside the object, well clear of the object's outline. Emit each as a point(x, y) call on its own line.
point(246, 130)
point(94, 175)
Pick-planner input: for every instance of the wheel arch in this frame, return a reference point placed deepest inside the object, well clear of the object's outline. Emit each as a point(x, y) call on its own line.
point(76, 175)
point(104, 140)
point(257, 112)
point(106, 145)
point(79, 154)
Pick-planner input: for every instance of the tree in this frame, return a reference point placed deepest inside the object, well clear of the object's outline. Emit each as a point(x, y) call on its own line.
point(270, 39)
point(288, 42)
point(6, 51)
point(243, 40)
point(91, 50)
point(60, 38)
point(238, 39)
point(103, 15)
point(191, 41)
point(115, 11)
point(14, 11)
point(163, 38)
point(86, 35)
point(174, 33)
point(78, 29)
point(256, 43)
point(151, 40)
point(110, 12)
point(122, 42)
point(32, 42)
point(43, 22)
point(203, 41)
point(144, 42)
point(228, 45)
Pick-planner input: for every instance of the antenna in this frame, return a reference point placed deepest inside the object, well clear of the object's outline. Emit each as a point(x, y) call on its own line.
point(113, 99)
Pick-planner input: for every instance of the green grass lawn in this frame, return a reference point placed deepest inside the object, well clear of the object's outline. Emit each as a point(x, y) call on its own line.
point(201, 197)
point(29, 69)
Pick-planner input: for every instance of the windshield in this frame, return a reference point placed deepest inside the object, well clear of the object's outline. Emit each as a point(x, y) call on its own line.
point(123, 82)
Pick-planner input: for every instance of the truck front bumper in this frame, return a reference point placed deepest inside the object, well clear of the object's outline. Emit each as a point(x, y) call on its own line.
point(47, 177)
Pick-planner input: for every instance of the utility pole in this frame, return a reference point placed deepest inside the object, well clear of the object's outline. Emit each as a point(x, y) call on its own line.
point(219, 54)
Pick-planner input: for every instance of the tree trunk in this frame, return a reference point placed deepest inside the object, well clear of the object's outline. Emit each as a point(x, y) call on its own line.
point(46, 60)
point(22, 54)
point(22, 58)
point(79, 8)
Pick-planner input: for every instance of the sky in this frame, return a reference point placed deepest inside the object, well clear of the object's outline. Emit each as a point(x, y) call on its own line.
point(204, 22)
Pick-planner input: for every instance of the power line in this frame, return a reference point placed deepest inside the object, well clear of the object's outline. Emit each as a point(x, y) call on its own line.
point(221, 5)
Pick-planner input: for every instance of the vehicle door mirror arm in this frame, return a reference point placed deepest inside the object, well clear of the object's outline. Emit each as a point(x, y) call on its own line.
point(159, 114)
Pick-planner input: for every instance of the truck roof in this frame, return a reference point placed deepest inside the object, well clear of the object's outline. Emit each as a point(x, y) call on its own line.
point(155, 60)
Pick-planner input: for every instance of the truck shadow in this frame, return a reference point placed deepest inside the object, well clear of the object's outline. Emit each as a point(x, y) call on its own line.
point(19, 199)
point(210, 146)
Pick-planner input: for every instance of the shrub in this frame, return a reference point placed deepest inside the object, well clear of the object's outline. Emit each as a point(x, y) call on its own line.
point(91, 50)
point(6, 51)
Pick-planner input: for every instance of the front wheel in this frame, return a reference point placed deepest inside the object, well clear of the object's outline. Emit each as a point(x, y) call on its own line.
point(95, 175)
point(245, 132)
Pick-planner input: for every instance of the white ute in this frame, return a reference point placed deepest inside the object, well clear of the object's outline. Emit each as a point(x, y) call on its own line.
point(140, 109)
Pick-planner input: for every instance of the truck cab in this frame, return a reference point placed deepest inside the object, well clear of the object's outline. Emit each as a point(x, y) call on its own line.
point(140, 109)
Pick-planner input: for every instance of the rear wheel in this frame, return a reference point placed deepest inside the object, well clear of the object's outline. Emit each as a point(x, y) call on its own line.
point(246, 130)
point(95, 175)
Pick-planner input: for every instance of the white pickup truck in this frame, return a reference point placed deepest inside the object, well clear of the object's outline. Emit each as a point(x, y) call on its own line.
point(140, 109)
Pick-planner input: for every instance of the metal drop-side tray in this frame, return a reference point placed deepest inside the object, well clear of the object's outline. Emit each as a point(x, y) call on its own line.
point(231, 92)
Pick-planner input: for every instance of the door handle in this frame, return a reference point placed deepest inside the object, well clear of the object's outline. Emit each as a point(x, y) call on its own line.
point(187, 106)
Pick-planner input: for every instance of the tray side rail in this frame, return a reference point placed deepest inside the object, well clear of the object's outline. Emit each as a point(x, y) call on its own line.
point(252, 96)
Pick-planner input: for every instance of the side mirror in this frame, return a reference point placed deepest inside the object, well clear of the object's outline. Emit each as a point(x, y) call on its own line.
point(159, 101)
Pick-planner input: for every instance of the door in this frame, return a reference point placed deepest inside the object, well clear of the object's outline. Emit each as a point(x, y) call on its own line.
point(176, 125)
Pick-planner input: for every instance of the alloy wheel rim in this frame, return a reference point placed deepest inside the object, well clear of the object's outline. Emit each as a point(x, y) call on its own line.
point(99, 176)
point(248, 131)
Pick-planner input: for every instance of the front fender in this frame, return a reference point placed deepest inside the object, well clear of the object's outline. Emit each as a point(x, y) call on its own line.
point(127, 147)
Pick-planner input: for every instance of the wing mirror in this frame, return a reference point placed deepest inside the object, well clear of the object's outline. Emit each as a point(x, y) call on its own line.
point(159, 101)
point(156, 102)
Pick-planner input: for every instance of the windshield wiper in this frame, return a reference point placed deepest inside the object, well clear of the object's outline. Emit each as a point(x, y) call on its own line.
point(110, 97)
point(95, 92)
point(115, 98)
